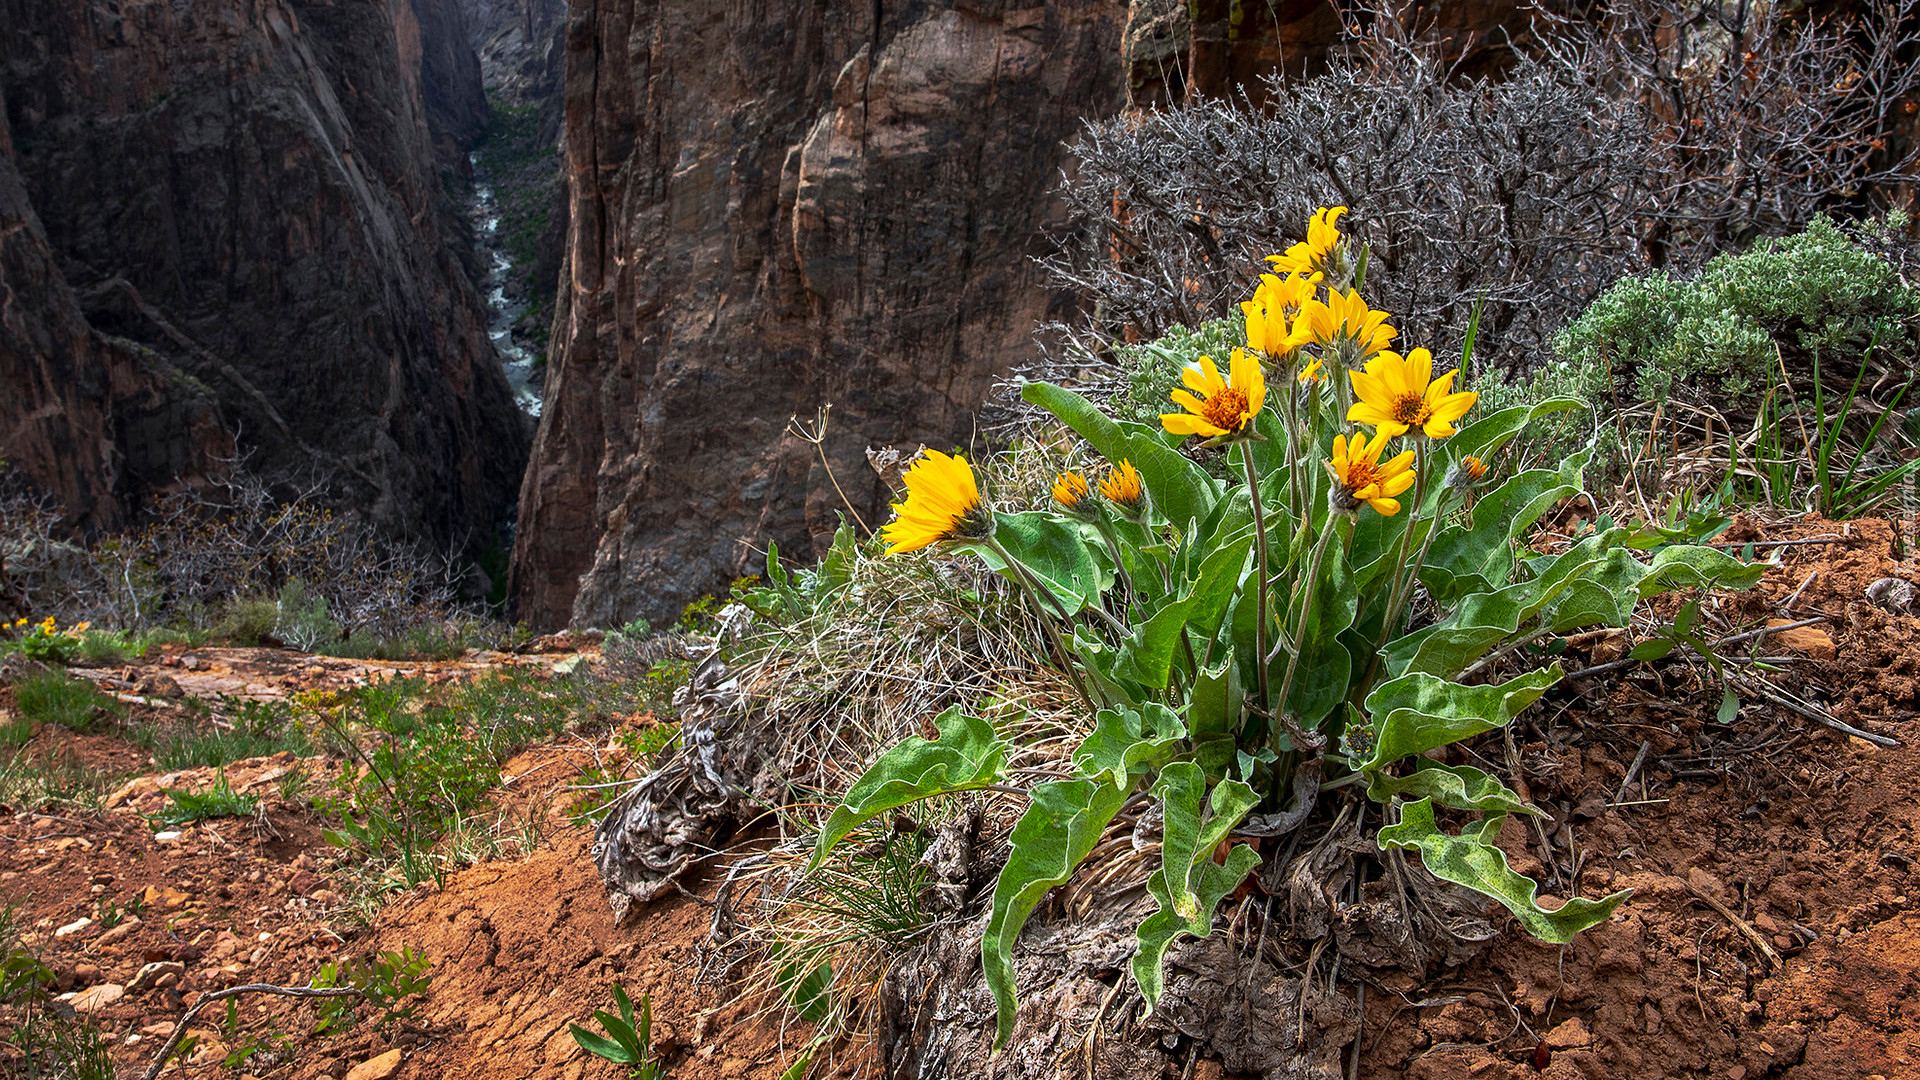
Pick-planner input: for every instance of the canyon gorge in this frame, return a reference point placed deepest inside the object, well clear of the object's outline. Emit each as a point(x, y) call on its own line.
point(235, 230)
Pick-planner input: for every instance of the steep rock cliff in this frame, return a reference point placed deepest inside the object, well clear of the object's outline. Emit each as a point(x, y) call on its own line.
point(248, 191)
point(774, 207)
point(98, 420)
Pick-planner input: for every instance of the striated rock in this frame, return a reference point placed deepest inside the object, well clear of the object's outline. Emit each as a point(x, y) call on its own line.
point(99, 421)
point(97, 997)
point(819, 204)
point(244, 199)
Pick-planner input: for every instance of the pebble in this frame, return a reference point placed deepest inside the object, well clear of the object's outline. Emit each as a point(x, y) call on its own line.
point(379, 1068)
point(97, 997)
point(148, 977)
point(73, 927)
point(118, 932)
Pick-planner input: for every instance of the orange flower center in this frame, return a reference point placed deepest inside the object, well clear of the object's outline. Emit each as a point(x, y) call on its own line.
point(1411, 410)
point(1226, 409)
point(1360, 474)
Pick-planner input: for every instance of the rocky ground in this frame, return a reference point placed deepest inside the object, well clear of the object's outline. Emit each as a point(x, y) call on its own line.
point(1773, 931)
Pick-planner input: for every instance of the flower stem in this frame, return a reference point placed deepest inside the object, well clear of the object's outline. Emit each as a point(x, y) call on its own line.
point(1307, 591)
point(1035, 591)
point(1260, 545)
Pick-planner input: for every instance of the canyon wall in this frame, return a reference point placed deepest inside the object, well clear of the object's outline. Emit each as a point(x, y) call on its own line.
point(776, 206)
point(249, 208)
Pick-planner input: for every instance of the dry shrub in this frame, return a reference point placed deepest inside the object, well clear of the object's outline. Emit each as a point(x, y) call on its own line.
point(1660, 135)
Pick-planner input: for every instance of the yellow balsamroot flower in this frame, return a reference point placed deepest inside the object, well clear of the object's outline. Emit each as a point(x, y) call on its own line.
point(1311, 254)
point(943, 503)
point(1400, 393)
point(1230, 404)
point(1312, 374)
point(1121, 486)
point(1474, 466)
point(1362, 478)
point(1071, 491)
point(1346, 315)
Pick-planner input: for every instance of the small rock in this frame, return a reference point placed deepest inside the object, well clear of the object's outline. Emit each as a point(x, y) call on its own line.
point(1893, 594)
point(148, 977)
point(171, 836)
point(159, 685)
point(158, 1030)
point(1806, 640)
point(97, 997)
point(1859, 745)
point(380, 1068)
point(1570, 1035)
point(73, 927)
point(118, 932)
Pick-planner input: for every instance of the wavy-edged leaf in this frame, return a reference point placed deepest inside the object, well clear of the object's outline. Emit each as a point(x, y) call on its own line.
point(1689, 567)
point(1125, 743)
point(1472, 860)
point(1478, 556)
point(969, 755)
point(1326, 667)
point(1180, 489)
point(1418, 712)
point(1155, 643)
point(1061, 826)
point(1189, 884)
point(1461, 787)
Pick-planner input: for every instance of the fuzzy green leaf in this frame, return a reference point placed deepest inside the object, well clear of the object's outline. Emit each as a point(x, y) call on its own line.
point(1124, 743)
point(1061, 826)
point(1418, 712)
point(969, 755)
point(1688, 567)
point(1189, 884)
point(1461, 787)
point(1478, 556)
point(1472, 860)
point(1055, 550)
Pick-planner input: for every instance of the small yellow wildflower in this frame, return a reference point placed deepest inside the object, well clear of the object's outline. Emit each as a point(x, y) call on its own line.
point(1312, 374)
point(1474, 466)
point(1230, 404)
point(1400, 393)
point(1071, 491)
point(1121, 486)
point(1346, 315)
point(1357, 468)
point(943, 503)
point(1311, 254)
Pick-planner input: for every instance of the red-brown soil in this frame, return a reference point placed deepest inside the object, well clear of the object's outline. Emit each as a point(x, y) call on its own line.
point(1805, 838)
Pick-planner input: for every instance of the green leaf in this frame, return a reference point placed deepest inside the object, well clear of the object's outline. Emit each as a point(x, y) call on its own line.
point(1652, 649)
point(1461, 787)
point(1057, 831)
point(1729, 707)
point(1189, 884)
point(807, 989)
point(1179, 488)
point(1478, 555)
point(1125, 743)
point(968, 756)
point(600, 1046)
point(1688, 567)
point(1151, 649)
point(1472, 860)
point(1418, 712)
point(1055, 550)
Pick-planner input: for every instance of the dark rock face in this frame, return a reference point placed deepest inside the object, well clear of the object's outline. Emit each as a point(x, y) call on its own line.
point(100, 421)
point(522, 49)
point(248, 191)
point(775, 209)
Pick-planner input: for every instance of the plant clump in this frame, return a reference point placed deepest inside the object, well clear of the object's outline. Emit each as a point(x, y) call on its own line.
point(1242, 644)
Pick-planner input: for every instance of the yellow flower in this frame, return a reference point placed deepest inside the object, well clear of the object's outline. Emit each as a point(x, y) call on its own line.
point(1362, 478)
point(79, 628)
point(1121, 486)
point(943, 503)
point(1348, 316)
point(1071, 490)
point(1474, 466)
point(1230, 404)
point(1311, 254)
point(1398, 393)
point(1312, 374)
